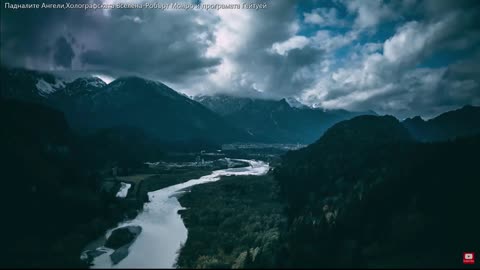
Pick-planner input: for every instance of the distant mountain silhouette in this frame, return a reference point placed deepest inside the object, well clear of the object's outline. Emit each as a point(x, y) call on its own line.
point(89, 104)
point(449, 125)
point(275, 120)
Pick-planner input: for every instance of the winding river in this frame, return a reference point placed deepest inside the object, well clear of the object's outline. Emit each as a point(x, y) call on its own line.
point(163, 231)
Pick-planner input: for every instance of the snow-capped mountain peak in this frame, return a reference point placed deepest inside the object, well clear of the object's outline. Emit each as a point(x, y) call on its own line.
point(89, 82)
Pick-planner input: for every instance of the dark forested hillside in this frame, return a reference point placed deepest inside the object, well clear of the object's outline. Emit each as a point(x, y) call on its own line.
point(232, 223)
point(49, 192)
point(366, 194)
point(52, 184)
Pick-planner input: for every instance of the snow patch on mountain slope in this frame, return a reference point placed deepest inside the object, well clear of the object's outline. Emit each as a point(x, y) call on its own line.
point(46, 88)
point(95, 82)
point(295, 103)
point(122, 193)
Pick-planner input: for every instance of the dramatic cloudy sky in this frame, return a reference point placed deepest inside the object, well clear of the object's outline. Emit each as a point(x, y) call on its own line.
point(402, 57)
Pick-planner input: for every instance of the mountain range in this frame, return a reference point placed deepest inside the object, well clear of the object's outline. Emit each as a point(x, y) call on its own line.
point(89, 104)
point(276, 120)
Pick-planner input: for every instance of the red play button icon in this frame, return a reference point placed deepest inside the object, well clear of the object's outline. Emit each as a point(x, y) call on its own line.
point(468, 258)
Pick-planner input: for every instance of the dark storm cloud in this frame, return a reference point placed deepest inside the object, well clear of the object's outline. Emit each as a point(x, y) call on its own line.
point(283, 73)
point(162, 45)
point(435, 8)
point(165, 45)
point(28, 36)
point(63, 53)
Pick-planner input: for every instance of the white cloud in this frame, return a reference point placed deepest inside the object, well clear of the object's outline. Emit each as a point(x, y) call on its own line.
point(323, 17)
point(255, 49)
point(412, 40)
point(328, 41)
point(369, 12)
point(384, 77)
point(295, 42)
